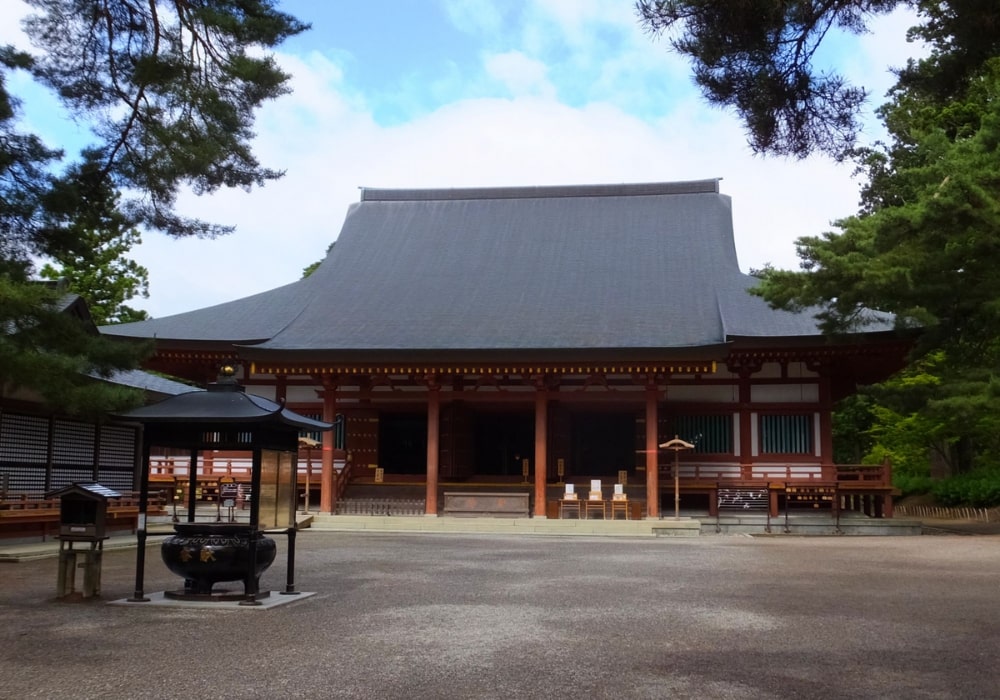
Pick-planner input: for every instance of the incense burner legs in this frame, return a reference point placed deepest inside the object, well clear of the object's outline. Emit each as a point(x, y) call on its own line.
point(205, 554)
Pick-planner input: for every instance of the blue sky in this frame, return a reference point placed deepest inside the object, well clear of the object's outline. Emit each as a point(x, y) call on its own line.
point(456, 93)
point(421, 56)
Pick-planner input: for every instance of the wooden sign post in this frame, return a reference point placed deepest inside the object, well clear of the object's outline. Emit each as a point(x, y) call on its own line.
point(677, 445)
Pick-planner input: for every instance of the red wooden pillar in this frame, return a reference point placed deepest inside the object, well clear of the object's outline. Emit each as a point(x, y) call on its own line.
point(652, 454)
point(541, 447)
point(746, 425)
point(327, 495)
point(433, 445)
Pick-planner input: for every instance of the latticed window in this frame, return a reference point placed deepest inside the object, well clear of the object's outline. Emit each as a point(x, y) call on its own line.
point(73, 444)
point(24, 439)
point(24, 452)
point(711, 434)
point(117, 457)
point(786, 434)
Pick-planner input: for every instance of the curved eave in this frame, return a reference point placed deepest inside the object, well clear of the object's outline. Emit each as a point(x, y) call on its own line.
point(860, 338)
point(221, 408)
point(181, 345)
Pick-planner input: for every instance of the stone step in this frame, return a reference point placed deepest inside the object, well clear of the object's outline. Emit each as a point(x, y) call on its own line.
point(513, 526)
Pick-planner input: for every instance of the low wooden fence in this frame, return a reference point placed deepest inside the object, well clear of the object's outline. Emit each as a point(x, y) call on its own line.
point(985, 515)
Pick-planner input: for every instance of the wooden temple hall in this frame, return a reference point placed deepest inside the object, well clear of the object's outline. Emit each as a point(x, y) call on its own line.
point(512, 341)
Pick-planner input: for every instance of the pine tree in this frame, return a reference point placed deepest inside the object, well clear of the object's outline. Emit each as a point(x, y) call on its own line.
point(169, 89)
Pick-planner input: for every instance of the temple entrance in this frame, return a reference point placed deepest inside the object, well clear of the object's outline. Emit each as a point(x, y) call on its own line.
point(494, 442)
point(602, 443)
point(502, 440)
point(402, 443)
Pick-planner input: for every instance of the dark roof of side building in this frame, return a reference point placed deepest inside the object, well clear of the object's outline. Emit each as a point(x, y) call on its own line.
point(154, 385)
point(602, 267)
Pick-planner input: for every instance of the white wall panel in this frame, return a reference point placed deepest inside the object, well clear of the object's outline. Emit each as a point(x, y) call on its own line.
point(711, 393)
point(785, 393)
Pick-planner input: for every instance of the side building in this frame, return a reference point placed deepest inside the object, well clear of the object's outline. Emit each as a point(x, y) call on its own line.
point(541, 336)
point(45, 449)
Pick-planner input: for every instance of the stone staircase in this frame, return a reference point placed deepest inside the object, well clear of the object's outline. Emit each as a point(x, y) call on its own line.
point(511, 526)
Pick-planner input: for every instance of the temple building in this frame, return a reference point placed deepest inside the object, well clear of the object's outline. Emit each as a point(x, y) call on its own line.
point(538, 336)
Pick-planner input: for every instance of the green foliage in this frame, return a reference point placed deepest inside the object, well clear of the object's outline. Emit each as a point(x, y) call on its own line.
point(169, 90)
point(23, 177)
point(315, 266)
point(60, 355)
point(106, 280)
point(924, 246)
point(910, 485)
point(852, 422)
point(937, 426)
point(93, 260)
point(930, 258)
point(757, 57)
point(311, 268)
point(979, 490)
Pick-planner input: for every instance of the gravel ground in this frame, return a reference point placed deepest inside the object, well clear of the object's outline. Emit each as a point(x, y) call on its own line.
point(453, 616)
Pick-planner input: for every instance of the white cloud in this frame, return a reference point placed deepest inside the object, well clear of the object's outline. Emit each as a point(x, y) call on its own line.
point(475, 16)
point(520, 74)
point(631, 123)
point(11, 14)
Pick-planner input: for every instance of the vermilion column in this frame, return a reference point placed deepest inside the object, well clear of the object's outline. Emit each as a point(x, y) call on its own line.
point(326, 484)
point(652, 455)
point(746, 426)
point(433, 447)
point(541, 449)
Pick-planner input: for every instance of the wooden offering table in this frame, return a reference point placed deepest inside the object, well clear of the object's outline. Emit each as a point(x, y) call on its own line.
point(570, 507)
point(616, 506)
point(594, 506)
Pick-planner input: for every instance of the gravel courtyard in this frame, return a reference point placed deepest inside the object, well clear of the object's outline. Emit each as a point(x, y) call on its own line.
point(486, 616)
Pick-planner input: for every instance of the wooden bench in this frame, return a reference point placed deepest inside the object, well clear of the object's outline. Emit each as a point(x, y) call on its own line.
point(31, 517)
point(29, 522)
point(479, 504)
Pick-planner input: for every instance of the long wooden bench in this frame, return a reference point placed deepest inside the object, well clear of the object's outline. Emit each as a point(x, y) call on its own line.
point(479, 504)
point(27, 517)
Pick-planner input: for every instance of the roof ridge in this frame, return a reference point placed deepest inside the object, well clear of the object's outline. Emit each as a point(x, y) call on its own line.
point(369, 194)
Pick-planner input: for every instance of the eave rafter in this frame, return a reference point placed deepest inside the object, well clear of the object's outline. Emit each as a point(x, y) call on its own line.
point(487, 373)
point(740, 358)
point(195, 356)
point(195, 365)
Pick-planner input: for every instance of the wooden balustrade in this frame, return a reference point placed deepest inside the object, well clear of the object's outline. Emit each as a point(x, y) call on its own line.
point(865, 475)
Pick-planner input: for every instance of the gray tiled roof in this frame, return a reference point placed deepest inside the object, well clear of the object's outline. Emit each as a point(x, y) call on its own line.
point(224, 401)
point(510, 269)
point(147, 381)
point(247, 320)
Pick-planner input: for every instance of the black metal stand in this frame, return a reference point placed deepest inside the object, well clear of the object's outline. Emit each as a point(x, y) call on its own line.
point(252, 583)
point(290, 573)
point(140, 534)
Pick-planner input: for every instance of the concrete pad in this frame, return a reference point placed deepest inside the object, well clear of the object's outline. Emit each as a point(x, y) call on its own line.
point(160, 600)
